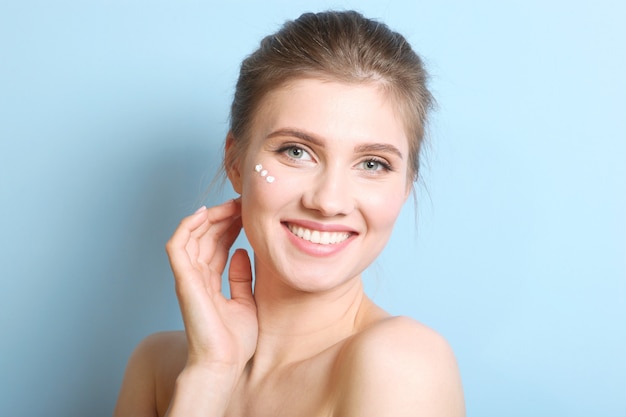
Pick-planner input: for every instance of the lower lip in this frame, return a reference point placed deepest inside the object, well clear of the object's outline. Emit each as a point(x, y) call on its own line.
point(316, 249)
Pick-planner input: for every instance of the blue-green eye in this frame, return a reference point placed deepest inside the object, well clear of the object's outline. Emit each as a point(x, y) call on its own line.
point(371, 165)
point(375, 165)
point(296, 153)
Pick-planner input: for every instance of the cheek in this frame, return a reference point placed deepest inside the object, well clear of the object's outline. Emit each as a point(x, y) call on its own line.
point(266, 186)
point(264, 173)
point(383, 206)
point(259, 177)
point(263, 203)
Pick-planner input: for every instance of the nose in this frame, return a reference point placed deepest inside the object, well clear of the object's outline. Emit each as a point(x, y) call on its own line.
point(330, 194)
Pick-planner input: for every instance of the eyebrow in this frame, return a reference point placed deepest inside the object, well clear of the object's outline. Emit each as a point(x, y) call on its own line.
point(362, 148)
point(378, 147)
point(296, 134)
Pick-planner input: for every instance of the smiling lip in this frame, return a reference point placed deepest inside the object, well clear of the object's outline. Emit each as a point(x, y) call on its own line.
point(317, 238)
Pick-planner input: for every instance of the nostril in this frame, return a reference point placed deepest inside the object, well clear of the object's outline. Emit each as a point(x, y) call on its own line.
point(330, 194)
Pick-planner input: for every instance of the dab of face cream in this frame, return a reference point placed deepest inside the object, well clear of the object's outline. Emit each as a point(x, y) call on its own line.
point(263, 172)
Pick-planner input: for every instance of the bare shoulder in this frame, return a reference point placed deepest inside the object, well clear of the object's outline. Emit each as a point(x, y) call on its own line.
point(402, 336)
point(151, 374)
point(399, 367)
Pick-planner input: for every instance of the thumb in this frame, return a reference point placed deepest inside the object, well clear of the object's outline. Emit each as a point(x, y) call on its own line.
point(240, 277)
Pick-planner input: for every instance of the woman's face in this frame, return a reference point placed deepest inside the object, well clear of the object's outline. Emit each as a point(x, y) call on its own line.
point(338, 157)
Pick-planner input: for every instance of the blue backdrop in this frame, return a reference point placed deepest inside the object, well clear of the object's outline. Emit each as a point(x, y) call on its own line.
point(111, 121)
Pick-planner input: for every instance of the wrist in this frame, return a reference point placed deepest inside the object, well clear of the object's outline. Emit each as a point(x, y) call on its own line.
point(218, 377)
point(203, 390)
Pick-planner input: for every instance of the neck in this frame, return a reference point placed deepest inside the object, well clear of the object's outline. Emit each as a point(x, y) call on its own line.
point(296, 325)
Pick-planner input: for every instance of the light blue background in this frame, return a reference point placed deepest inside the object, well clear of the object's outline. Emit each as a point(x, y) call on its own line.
point(111, 121)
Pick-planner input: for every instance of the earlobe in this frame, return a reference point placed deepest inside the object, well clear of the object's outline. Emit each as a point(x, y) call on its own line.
point(231, 163)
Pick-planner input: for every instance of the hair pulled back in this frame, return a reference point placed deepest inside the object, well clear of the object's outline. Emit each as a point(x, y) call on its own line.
point(339, 46)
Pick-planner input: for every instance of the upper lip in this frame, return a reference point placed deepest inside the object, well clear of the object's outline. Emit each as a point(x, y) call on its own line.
point(322, 227)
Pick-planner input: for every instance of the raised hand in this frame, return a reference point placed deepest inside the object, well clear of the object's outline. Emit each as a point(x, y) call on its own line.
point(221, 333)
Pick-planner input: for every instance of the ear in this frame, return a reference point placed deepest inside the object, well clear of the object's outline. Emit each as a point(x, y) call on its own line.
point(410, 187)
point(410, 190)
point(232, 163)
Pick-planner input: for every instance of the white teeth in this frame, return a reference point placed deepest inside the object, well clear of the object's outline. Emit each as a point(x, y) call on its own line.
point(316, 236)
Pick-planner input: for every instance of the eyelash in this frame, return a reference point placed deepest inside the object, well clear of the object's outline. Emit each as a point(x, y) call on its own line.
point(282, 150)
point(384, 164)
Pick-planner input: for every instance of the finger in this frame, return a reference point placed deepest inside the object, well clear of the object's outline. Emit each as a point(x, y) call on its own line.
point(181, 252)
point(216, 215)
point(240, 277)
point(220, 254)
point(177, 245)
point(225, 242)
point(199, 223)
point(203, 247)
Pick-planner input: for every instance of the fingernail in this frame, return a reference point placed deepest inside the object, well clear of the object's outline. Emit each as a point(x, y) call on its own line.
point(200, 209)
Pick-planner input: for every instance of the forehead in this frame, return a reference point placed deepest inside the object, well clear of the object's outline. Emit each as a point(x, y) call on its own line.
point(334, 111)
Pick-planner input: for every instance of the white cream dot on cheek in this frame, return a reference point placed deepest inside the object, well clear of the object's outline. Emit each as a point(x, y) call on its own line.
point(264, 173)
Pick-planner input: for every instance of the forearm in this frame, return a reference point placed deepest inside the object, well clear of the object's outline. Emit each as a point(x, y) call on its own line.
point(203, 392)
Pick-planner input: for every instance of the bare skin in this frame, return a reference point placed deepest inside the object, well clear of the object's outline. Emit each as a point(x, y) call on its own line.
point(283, 393)
point(308, 342)
point(355, 370)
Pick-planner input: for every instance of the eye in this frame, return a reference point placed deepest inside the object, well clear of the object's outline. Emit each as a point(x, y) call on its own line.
point(375, 165)
point(295, 152)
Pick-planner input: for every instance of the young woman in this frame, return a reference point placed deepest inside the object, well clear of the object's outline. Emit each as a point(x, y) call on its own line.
point(326, 126)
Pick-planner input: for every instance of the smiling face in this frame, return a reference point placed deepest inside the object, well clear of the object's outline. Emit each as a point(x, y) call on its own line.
point(338, 157)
